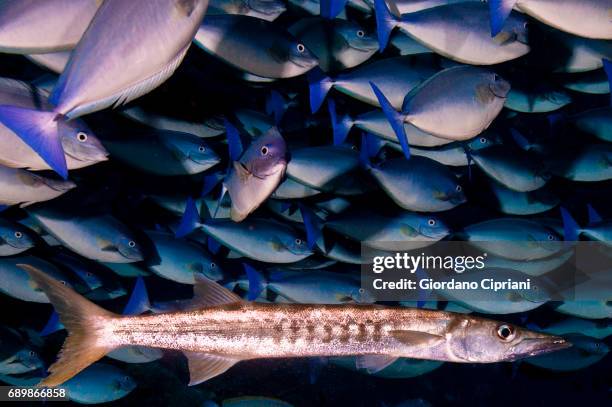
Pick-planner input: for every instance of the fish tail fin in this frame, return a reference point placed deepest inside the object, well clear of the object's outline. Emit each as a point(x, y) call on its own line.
point(396, 120)
point(52, 325)
point(331, 8)
point(607, 65)
point(256, 282)
point(319, 85)
point(84, 321)
point(190, 220)
point(520, 140)
point(234, 143)
point(39, 130)
point(385, 23)
point(312, 224)
point(499, 10)
point(594, 216)
point(341, 126)
point(571, 229)
point(370, 146)
point(139, 300)
point(276, 106)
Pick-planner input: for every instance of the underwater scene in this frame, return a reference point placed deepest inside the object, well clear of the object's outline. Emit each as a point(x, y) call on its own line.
point(276, 203)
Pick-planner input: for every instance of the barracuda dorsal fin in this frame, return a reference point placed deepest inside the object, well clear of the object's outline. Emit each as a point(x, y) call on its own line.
point(204, 366)
point(416, 338)
point(374, 363)
point(207, 293)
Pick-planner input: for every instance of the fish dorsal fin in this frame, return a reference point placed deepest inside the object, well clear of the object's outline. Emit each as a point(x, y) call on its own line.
point(374, 363)
point(133, 92)
point(204, 366)
point(416, 338)
point(207, 292)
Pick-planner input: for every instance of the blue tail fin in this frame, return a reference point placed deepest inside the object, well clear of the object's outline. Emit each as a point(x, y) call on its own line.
point(593, 215)
point(331, 8)
point(385, 23)
point(312, 225)
point(234, 142)
point(319, 85)
point(396, 120)
point(40, 131)
point(213, 245)
point(190, 219)
point(139, 300)
point(275, 106)
point(340, 128)
point(53, 325)
point(499, 10)
point(470, 161)
point(256, 282)
point(571, 229)
point(370, 146)
point(607, 65)
point(210, 182)
point(519, 139)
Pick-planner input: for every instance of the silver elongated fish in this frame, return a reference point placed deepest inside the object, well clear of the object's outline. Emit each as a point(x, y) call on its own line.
point(24, 188)
point(110, 68)
point(220, 329)
point(35, 26)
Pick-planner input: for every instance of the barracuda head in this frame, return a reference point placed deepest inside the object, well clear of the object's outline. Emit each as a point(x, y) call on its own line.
point(481, 340)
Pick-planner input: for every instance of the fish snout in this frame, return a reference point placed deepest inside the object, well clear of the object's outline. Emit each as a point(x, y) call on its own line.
point(537, 345)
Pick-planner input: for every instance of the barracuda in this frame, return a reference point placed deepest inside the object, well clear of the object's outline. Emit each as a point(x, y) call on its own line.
point(219, 329)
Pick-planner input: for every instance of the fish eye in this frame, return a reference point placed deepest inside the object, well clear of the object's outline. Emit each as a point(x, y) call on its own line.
point(483, 140)
point(132, 243)
point(82, 137)
point(32, 353)
point(360, 34)
point(213, 265)
point(18, 235)
point(301, 48)
point(505, 332)
point(551, 237)
point(264, 150)
point(89, 274)
point(458, 188)
point(63, 282)
point(201, 149)
point(431, 222)
point(298, 241)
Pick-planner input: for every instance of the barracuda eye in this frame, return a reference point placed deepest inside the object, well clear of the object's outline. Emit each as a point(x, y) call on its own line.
point(505, 332)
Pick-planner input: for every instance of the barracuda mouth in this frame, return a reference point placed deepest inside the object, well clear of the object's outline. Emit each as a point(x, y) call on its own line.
point(530, 347)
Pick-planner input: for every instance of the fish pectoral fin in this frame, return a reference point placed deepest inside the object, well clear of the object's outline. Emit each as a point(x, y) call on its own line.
point(109, 248)
point(374, 363)
point(186, 7)
point(207, 292)
point(204, 366)
point(416, 338)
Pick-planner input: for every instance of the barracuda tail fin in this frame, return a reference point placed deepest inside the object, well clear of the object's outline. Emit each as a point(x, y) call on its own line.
point(341, 125)
point(39, 130)
point(319, 85)
point(395, 119)
point(84, 321)
point(499, 10)
point(385, 23)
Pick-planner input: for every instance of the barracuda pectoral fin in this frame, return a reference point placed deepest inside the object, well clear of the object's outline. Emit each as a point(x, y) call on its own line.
point(204, 366)
point(416, 338)
point(374, 363)
point(207, 293)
